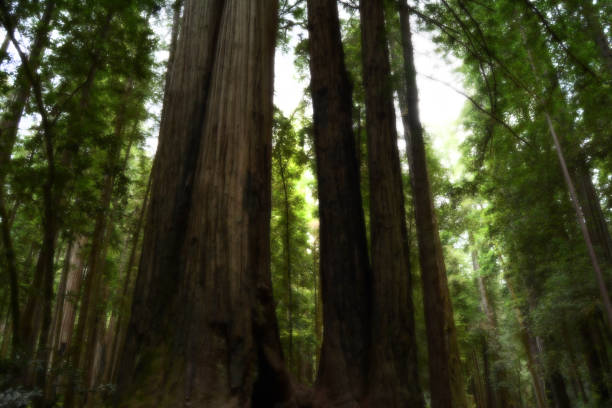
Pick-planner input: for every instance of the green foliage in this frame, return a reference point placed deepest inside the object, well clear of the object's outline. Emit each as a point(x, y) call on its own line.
point(293, 251)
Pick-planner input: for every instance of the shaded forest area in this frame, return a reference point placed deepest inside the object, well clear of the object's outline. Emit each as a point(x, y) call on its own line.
point(316, 259)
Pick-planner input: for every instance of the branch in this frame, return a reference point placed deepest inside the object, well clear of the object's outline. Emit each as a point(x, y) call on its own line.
point(558, 39)
point(34, 80)
point(481, 109)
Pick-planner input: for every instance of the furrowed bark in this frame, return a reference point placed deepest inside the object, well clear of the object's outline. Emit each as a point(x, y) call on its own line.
point(393, 375)
point(345, 273)
point(446, 385)
point(203, 330)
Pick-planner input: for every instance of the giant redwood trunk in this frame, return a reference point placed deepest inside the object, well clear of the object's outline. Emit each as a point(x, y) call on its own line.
point(345, 273)
point(203, 330)
point(446, 379)
point(393, 379)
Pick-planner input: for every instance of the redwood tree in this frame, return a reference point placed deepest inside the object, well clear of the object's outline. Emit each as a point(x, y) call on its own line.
point(446, 381)
point(203, 330)
point(345, 272)
point(393, 380)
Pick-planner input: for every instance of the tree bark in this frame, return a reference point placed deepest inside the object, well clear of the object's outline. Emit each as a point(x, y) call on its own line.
point(345, 272)
point(203, 329)
point(13, 277)
point(83, 352)
point(447, 389)
point(287, 250)
point(23, 341)
point(528, 345)
point(393, 374)
point(126, 296)
point(9, 122)
point(73, 290)
point(501, 392)
point(59, 302)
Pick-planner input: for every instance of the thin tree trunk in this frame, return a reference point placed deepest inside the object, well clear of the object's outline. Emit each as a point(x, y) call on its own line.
point(287, 251)
point(89, 313)
point(126, 297)
point(530, 351)
point(9, 122)
point(447, 389)
point(393, 377)
point(67, 312)
point(345, 272)
point(478, 383)
point(596, 370)
point(601, 284)
point(501, 392)
point(13, 278)
point(73, 290)
point(59, 302)
point(23, 341)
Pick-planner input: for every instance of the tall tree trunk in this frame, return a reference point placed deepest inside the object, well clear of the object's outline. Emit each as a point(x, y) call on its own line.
point(9, 121)
point(66, 311)
point(393, 377)
point(605, 242)
point(502, 395)
point(559, 391)
point(287, 250)
point(345, 273)
point(595, 366)
point(446, 378)
point(13, 277)
point(71, 299)
point(203, 314)
point(23, 341)
point(480, 395)
point(126, 296)
point(82, 354)
point(59, 302)
point(531, 352)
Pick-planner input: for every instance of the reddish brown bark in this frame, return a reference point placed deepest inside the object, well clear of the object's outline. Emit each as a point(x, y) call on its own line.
point(345, 272)
point(393, 375)
point(446, 379)
point(203, 330)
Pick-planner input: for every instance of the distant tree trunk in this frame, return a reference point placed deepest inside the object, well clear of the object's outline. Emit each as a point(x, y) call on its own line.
point(59, 302)
point(287, 250)
point(586, 225)
point(393, 374)
point(447, 389)
point(203, 329)
point(13, 278)
point(501, 393)
point(73, 290)
point(530, 350)
point(66, 310)
point(597, 33)
point(558, 390)
point(126, 295)
point(318, 302)
point(490, 396)
point(595, 366)
point(177, 8)
point(23, 339)
point(345, 273)
point(9, 121)
point(89, 313)
point(480, 394)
